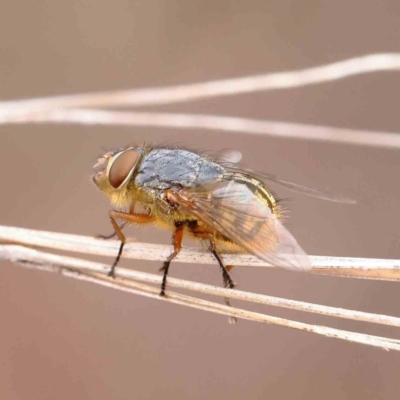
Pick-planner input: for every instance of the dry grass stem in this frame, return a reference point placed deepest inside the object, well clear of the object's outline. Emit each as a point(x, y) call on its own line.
point(366, 268)
point(67, 109)
point(18, 253)
point(95, 273)
point(217, 123)
point(196, 91)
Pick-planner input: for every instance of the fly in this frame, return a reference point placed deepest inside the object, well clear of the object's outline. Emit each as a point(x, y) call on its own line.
point(227, 207)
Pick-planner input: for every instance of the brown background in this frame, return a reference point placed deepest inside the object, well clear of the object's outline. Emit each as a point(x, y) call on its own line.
point(63, 339)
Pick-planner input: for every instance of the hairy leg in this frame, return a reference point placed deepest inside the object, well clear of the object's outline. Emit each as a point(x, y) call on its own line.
point(177, 242)
point(127, 218)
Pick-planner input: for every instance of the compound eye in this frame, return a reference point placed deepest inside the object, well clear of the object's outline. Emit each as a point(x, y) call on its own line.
point(122, 167)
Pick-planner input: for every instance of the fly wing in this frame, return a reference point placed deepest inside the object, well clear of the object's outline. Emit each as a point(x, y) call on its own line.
point(294, 187)
point(233, 210)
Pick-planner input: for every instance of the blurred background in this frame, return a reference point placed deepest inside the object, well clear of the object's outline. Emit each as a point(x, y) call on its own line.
point(64, 339)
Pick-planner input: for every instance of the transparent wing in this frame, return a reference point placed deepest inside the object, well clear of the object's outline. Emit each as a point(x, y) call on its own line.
point(230, 156)
point(294, 187)
point(241, 215)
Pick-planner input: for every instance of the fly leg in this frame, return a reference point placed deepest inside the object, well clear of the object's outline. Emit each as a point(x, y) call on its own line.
point(127, 218)
point(177, 242)
point(207, 236)
point(227, 280)
point(111, 235)
point(122, 226)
